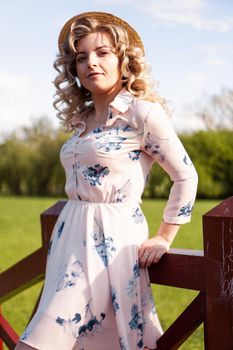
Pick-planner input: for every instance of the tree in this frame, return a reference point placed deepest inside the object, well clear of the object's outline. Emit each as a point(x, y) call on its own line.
point(29, 162)
point(216, 111)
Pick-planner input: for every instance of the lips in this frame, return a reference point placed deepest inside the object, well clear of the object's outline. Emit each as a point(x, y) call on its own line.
point(94, 74)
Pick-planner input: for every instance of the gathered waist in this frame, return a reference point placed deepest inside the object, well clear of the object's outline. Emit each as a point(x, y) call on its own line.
point(81, 202)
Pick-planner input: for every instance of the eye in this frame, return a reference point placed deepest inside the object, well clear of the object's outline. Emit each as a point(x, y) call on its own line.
point(103, 52)
point(80, 58)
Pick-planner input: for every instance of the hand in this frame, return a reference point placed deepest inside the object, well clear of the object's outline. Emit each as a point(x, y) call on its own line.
point(152, 250)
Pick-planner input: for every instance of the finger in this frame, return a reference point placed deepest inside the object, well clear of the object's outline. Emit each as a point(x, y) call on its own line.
point(159, 255)
point(144, 258)
point(141, 251)
point(150, 259)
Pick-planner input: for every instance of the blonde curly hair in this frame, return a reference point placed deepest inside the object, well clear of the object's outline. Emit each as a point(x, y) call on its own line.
point(72, 98)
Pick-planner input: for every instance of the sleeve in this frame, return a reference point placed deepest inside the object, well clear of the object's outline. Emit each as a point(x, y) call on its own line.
point(161, 142)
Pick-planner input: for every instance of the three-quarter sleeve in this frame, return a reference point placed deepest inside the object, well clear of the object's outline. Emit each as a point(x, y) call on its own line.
point(161, 142)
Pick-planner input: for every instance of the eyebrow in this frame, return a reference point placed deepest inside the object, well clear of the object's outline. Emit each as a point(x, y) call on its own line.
point(98, 48)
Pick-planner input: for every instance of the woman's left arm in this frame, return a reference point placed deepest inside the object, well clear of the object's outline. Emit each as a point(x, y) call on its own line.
point(161, 142)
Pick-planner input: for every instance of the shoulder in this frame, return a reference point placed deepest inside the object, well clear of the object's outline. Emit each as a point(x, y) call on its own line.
point(143, 109)
point(152, 118)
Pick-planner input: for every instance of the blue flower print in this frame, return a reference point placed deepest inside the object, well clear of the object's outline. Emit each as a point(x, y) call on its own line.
point(98, 130)
point(137, 215)
point(92, 325)
point(127, 128)
point(186, 210)
point(136, 271)
point(110, 140)
point(70, 325)
point(122, 344)
point(187, 160)
point(60, 229)
point(118, 129)
point(134, 155)
point(152, 147)
point(147, 298)
point(77, 318)
point(136, 317)
point(110, 146)
point(120, 194)
point(25, 335)
point(136, 323)
point(131, 289)
point(60, 321)
point(114, 300)
point(104, 246)
point(110, 113)
point(69, 275)
point(50, 247)
point(95, 174)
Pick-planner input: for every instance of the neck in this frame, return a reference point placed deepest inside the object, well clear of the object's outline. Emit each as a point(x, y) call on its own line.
point(101, 102)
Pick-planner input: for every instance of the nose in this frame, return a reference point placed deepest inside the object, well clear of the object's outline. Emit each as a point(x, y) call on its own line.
point(92, 60)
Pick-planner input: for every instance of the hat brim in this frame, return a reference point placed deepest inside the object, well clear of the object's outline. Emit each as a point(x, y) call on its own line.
point(103, 18)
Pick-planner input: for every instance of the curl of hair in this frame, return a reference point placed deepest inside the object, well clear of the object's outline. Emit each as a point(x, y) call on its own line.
point(72, 98)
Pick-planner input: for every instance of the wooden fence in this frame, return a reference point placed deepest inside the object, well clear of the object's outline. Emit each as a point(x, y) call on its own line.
point(209, 272)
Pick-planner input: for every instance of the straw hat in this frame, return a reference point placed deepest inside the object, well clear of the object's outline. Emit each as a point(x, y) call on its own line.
point(103, 18)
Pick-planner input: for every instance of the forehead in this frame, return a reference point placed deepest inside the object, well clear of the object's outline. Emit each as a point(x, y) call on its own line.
point(93, 40)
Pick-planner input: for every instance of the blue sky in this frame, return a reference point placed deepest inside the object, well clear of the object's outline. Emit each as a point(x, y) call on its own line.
point(188, 43)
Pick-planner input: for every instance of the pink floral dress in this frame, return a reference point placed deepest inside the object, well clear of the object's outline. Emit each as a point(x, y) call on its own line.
point(96, 297)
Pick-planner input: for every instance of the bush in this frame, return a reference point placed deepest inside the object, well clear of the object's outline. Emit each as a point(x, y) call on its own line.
point(30, 164)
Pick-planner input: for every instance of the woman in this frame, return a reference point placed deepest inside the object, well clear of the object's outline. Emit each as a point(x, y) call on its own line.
point(97, 293)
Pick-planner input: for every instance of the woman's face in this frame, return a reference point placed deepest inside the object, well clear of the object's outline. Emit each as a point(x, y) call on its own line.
point(98, 67)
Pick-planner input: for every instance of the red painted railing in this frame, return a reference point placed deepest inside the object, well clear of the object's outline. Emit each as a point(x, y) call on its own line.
point(210, 273)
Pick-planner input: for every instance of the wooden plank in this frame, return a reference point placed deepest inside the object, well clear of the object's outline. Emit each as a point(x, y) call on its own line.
point(48, 219)
point(218, 248)
point(1, 342)
point(7, 333)
point(180, 268)
point(183, 326)
point(22, 275)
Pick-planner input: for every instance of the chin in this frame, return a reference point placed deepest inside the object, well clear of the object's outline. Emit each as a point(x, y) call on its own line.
point(104, 90)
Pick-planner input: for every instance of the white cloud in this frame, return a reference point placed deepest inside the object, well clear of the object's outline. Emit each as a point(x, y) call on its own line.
point(191, 12)
point(217, 54)
point(217, 61)
point(185, 120)
point(15, 92)
point(112, 2)
point(197, 79)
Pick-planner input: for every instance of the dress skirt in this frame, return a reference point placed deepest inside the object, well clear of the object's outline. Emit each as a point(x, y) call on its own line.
point(95, 297)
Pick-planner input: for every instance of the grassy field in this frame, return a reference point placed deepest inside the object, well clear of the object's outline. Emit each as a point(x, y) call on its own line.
point(20, 235)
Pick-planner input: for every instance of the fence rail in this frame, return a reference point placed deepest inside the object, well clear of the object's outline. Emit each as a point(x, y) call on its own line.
point(210, 272)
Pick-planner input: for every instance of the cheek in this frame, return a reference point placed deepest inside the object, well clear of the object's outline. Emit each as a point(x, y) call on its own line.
point(115, 68)
point(80, 69)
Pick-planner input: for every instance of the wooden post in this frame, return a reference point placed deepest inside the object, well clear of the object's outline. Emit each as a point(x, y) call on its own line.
point(218, 251)
point(1, 342)
point(48, 219)
point(7, 333)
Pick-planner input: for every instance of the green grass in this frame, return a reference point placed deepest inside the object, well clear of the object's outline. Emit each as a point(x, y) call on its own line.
point(20, 235)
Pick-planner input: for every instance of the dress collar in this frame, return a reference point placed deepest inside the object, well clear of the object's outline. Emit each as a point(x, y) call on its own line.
point(122, 101)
